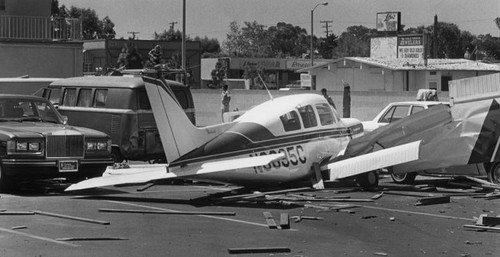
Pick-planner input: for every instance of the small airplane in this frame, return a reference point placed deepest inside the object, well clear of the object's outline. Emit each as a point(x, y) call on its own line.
point(283, 140)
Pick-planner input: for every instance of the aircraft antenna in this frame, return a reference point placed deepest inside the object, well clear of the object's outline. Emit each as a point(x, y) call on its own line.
point(263, 82)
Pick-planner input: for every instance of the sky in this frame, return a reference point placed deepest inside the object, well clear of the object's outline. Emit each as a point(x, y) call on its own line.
point(211, 18)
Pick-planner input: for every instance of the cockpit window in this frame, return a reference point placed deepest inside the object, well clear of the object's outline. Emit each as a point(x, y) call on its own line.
point(290, 121)
point(308, 116)
point(325, 114)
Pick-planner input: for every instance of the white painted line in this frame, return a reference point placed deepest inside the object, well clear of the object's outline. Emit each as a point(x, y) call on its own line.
point(417, 213)
point(206, 216)
point(37, 237)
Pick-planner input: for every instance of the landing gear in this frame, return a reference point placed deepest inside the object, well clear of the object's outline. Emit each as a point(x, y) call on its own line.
point(368, 180)
point(404, 178)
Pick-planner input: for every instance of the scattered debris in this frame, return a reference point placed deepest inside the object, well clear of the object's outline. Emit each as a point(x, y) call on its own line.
point(299, 218)
point(392, 219)
point(377, 196)
point(271, 223)
point(482, 228)
point(403, 193)
point(167, 212)
point(485, 220)
point(259, 250)
point(380, 254)
point(369, 217)
point(72, 218)
point(18, 227)
point(16, 213)
point(90, 238)
point(433, 200)
point(284, 221)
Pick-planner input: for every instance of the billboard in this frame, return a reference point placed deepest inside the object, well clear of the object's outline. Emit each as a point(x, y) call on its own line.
point(388, 21)
point(411, 48)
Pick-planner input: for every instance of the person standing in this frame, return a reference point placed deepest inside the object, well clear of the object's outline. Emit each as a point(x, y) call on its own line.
point(226, 98)
point(327, 97)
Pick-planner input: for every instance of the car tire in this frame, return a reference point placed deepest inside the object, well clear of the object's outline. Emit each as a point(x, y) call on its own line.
point(404, 178)
point(494, 173)
point(116, 155)
point(368, 180)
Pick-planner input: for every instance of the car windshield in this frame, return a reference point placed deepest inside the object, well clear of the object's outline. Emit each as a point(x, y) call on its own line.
point(19, 109)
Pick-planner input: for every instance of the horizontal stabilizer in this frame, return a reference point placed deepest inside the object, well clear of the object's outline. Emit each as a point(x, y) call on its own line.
point(373, 161)
point(146, 173)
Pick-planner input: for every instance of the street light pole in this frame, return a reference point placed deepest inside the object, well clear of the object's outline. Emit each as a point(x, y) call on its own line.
point(312, 31)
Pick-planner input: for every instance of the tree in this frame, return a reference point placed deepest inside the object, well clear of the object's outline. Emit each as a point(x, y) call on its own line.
point(489, 46)
point(249, 41)
point(209, 47)
point(354, 42)
point(92, 27)
point(288, 40)
point(168, 35)
point(497, 22)
point(327, 45)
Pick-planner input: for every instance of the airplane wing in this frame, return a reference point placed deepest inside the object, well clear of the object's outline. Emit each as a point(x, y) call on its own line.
point(373, 161)
point(146, 173)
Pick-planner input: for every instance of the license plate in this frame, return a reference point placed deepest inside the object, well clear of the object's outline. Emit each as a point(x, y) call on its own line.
point(68, 166)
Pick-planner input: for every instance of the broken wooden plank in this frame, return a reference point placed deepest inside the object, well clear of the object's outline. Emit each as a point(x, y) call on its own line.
point(484, 183)
point(433, 200)
point(259, 250)
point(377, 196)
point(90, 238)
point(284, 221)
point(486, 220)
point(18, 227)
point(249, 196)
point(404, 193)
point(168, 212)
point(17, 213)
point(72, 217)
point(271, 223)
point(482, 228)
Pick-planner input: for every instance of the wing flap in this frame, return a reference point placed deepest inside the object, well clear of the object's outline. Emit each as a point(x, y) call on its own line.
point(373, 161)
point(146, 173)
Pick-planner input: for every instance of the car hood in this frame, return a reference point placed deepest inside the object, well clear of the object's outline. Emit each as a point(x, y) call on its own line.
point(33, 129)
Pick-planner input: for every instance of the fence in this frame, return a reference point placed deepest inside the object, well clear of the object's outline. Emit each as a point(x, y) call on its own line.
point(40, 28)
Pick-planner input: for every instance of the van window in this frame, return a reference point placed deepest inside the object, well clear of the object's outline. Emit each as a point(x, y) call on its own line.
point(325, 114)
point(100, 97)
point(84, 98)
point(55, 95)
point(182, 98)
point(290, 121)
point(308, 116)
point(69, 97)
point(142, 98)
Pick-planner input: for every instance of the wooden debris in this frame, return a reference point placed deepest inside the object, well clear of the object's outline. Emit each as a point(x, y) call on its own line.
point(18, 227)
point(271, 223)
point(250, 196)
point(377, 196)
point(284, 221)
point(484, 183)
point(72, 217)
point(16, 213)
point(301, 217)
point(403, 193)
point(259, 250)
point(90, 238)
point(433, 200)
point(486, 220)
point(167, 212)
point(485, 228)
point(145, 187)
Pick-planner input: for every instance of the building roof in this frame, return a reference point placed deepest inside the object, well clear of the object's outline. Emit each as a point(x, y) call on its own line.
point(400, 64)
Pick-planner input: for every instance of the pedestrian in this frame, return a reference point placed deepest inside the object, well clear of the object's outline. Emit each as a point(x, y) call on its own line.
point(122, 58)
point(155, 55)
point(226, 98)
point(327, 97)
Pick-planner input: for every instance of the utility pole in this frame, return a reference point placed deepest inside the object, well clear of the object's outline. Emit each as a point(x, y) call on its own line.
point(172, 25)
point(434, 37)
point(133, 34)
point(326, 26)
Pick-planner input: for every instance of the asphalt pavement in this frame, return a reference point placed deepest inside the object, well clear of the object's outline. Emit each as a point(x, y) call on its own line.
point(204, 220)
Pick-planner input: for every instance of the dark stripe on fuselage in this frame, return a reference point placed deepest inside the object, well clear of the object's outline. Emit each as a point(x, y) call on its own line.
point(246, 138)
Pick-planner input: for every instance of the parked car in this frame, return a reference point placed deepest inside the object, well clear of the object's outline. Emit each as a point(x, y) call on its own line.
point(118, 106)
point(396, 111)
point(36, 142)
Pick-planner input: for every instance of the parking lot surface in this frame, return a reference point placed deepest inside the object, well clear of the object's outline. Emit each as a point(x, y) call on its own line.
point(347, 222)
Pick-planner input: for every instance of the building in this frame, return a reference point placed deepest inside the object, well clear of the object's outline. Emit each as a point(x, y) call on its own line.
point(384, 74)
point(36, 44)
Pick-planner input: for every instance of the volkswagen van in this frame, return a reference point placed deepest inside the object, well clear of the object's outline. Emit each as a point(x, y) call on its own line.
point(118, 106)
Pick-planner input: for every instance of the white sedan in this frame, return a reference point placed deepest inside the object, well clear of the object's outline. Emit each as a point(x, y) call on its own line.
point(396, 111)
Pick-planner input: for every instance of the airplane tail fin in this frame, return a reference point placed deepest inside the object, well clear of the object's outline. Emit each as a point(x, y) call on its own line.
point(178, 135)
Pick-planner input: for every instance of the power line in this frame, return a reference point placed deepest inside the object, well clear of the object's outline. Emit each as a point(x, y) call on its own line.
point(133, 34)
point(326, 26)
